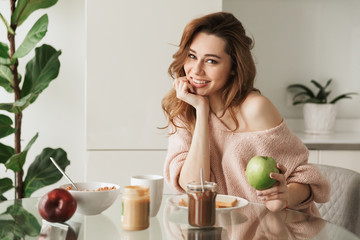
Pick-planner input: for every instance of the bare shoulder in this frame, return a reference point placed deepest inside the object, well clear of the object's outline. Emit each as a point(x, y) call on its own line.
point(259, 113)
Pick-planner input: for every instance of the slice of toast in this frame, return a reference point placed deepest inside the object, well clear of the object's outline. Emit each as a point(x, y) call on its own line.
point(225, 201)
point(222, 201)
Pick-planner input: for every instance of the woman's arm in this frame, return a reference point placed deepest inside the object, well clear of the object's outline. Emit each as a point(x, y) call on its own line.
point(298, 193)
point(199, 153)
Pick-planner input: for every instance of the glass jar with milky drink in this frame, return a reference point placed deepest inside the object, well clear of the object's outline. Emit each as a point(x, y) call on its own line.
point(135, 208)
point(201, 204)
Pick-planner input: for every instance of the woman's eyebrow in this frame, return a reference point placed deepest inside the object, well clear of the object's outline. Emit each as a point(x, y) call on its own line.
point(207, 55)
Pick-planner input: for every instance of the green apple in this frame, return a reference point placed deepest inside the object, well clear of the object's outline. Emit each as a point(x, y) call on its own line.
point(258, 172)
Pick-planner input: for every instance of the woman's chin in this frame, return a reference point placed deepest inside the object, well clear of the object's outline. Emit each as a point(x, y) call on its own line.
point(200, 92)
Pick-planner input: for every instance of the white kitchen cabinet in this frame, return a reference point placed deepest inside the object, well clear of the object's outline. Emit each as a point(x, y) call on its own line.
point(344, 159)
point(338, 158)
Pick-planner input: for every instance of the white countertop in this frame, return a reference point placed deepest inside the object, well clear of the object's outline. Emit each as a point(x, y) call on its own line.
point(335, 138)
point(345, 137)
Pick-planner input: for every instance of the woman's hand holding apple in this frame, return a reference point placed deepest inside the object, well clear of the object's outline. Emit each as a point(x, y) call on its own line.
point(276, 198)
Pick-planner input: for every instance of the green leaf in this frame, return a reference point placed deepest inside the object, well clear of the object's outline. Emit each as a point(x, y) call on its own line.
point(25, 7)
point(9, 230)
point(314, 100)
point(42, 171)
point(5, 120)
point(302, 95)
point(19, 105)
point(342, 96)
point(9, 29)
point(5, 153)
point(328, 83)
point(322, 95)
point(5, 185)
point(318, 85)
point(16, 161)
point(29, 226)
point(6, 78)
point(5, 61)
point(5, 126)
point(9, 107)
point(4, 50)
point(25, 101)
point(36, 33)
point(41, 70)
point(302, 87)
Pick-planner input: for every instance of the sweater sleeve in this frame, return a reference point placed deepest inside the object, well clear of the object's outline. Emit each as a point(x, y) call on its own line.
point(319, 185)
point(178, 148)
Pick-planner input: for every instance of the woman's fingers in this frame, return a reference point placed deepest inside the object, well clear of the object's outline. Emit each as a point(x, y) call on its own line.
point(278, 177)
point(281, 167)
point(181, 86)
point(271, 191)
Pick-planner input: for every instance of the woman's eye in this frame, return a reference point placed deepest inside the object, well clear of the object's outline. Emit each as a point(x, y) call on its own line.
point(212, 61)
point(192, 56)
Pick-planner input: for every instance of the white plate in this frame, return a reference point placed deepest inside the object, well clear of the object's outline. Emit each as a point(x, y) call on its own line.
point(241, 202)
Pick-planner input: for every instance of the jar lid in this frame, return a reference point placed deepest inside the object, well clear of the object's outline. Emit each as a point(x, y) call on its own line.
point(136, 190)
point(196, 186)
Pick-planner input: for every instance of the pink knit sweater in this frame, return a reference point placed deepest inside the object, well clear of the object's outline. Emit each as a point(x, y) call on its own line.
point(230, 152)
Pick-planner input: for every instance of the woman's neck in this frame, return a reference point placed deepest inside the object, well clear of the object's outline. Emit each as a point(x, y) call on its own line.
point(217, 106)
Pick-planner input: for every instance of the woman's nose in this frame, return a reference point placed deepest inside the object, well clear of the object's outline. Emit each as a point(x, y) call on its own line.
point(198, 68)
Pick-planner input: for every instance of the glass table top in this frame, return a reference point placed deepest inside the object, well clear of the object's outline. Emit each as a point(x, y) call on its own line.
point(252, 221)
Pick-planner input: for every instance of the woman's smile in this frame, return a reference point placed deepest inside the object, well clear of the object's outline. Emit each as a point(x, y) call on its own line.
point(199, 83)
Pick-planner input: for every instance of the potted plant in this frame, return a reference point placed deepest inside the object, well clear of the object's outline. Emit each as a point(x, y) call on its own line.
point(319, 113)
point(26, 88)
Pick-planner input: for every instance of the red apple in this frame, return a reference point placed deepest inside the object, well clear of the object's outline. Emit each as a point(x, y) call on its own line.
point(57, 205)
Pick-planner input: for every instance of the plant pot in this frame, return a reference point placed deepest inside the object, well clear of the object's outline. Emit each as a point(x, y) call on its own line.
point(319, 118)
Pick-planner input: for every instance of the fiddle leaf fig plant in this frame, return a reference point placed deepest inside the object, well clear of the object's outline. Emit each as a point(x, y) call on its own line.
point(17, 223)
point(39, 72)
point(306, 95)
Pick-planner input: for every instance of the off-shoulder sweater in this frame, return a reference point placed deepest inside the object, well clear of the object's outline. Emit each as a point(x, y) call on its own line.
point(230, 152)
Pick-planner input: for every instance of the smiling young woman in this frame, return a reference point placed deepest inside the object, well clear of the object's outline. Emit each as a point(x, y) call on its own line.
point(207, 66)
point(218, 121)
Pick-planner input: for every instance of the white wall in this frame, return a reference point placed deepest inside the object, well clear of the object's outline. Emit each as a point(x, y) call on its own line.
point(130, 46)
point(296, 41)
point(58, 114)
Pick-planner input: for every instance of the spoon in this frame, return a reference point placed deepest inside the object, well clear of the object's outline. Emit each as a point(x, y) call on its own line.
point(63, 173)
point(201, 180)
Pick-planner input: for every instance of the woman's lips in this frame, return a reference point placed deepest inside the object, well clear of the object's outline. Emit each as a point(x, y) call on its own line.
point(199, 83)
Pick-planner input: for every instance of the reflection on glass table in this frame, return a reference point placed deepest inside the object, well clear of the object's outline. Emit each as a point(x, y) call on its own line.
point(21, 220)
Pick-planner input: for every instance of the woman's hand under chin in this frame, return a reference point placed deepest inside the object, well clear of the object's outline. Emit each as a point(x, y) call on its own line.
point(186, 92)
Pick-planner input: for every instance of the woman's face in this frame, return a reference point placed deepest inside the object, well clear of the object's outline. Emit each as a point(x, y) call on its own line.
point(207, 66)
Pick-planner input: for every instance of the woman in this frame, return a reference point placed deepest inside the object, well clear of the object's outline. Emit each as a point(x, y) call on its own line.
point(219, 121)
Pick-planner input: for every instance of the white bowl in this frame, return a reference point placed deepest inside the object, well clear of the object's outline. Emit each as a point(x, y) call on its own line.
point(92, 202)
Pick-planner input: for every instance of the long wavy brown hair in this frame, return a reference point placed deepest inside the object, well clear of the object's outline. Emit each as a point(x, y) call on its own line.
point(239, 84)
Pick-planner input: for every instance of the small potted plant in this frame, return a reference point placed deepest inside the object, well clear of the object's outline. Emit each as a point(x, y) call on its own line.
point(319, 113)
